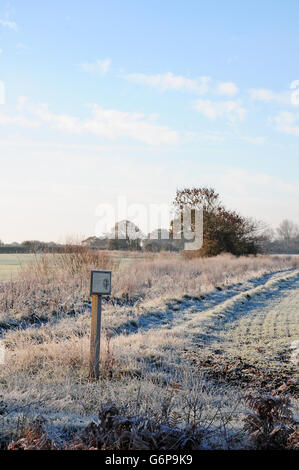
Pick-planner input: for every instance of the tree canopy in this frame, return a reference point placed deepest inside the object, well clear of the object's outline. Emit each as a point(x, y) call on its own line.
point(224, 230)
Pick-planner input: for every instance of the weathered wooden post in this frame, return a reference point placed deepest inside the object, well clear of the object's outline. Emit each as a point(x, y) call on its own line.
point(100, 284)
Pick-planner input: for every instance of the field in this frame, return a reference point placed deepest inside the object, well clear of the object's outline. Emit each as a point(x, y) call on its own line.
point(183, 343)
point(10, 265)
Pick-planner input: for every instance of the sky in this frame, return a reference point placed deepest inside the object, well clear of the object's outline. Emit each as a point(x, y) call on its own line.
point(108, 107)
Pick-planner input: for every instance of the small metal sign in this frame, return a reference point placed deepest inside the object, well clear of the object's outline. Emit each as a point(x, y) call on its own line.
point(100, 283)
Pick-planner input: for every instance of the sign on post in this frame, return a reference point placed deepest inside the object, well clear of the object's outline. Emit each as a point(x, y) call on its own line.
point(100, 284)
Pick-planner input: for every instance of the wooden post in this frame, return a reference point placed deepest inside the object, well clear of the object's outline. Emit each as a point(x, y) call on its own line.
point(100, 284)
point(95, 336)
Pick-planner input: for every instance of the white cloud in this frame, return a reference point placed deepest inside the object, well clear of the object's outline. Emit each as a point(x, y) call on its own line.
point(287, 122)
point(231, 110)
point(110, 124)
point(99, 66)
point(22, 101)
point(267, 96)
point(62, 122)
point(212, 137)
point(261, 94)
point(253, 140)
point(18, 121)
point(168, 81)
point(227, 88)
point(8, 24)
point(221, 137)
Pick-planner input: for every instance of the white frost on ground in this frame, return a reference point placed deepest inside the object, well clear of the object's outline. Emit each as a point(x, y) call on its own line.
point(229, 303)
point(218, 302)
point(295, 352)
point(66, 408)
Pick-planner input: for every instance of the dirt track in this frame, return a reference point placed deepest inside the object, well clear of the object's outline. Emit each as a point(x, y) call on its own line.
point(251, 340)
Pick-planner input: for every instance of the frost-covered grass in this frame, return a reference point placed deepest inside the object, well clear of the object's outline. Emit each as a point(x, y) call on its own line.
point(54, 285)
point(149, 328)
point(10, 264)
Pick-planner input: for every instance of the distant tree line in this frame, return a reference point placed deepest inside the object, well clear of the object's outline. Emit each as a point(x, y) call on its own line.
point(29, 246)
point(224, 230)
point(285, 239)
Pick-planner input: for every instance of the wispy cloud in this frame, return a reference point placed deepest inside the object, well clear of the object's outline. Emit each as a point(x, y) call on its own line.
point(169, 81)
point(18, 120)
point(253, 140)
point(99, 66)
point(109, 123)
point(227, 88)
point(222, 137)
point(266, 96)
point(230, 110)
point(287, 122)
point(204, 137)
point(8, 24)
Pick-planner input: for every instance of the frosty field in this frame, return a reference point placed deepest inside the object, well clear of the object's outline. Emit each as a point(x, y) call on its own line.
point(183, 342)
point(10, 264)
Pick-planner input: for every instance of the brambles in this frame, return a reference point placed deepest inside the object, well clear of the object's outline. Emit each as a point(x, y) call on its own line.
point(271, 423)
point(35, 438)
point(116, 431)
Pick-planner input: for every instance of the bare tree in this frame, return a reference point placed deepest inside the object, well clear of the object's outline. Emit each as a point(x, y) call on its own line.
point(125, 235)
point(287, 230)
point(205, 198)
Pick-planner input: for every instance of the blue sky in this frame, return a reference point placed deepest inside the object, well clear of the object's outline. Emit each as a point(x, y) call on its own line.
point(132, 99)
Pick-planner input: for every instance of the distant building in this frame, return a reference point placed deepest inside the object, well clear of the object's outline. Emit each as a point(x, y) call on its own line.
point(96, 242)
point(158, 240)
point(125, 235)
